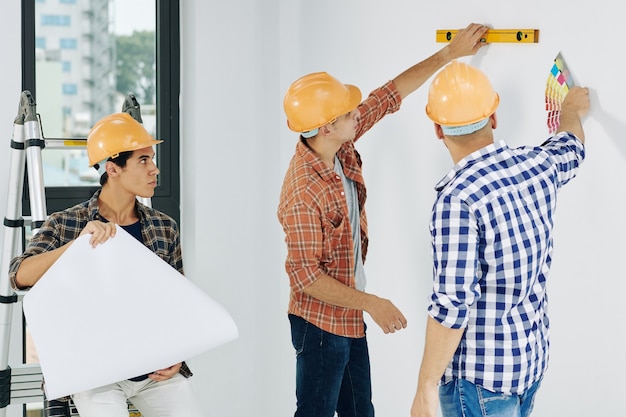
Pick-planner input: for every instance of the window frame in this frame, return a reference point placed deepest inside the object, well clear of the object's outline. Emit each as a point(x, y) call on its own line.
point(167, 194)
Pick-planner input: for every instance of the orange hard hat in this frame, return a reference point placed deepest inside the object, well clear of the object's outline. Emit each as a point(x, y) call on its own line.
point(460, 95)
point(317, 99)
point(114, 134)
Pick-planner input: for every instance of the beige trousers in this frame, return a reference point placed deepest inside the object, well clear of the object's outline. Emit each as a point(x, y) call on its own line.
point(171, 398)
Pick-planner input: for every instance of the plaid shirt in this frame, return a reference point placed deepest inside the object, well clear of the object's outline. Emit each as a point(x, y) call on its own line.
point(492, 237)
point(158, 230)
point(314, 215)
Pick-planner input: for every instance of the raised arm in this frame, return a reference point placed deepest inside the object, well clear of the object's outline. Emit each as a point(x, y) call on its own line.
point(574, 107)
point(466, 42)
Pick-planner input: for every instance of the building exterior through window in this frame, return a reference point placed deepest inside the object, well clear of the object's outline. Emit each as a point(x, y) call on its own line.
point(84, 55)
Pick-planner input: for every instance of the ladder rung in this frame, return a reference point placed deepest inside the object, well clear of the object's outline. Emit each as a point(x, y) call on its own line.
point(26, 380)
point(27, 396)
point(26, 369)
point(60, 143)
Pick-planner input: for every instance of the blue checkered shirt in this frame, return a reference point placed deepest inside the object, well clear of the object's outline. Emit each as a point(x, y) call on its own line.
point(491, 232)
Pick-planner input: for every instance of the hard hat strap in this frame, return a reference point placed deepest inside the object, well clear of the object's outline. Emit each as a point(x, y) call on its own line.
point(464, 130)
point(101, 166)
point(310, 133)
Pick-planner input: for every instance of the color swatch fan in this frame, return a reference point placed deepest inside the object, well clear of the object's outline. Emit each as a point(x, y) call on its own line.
point(558, 84)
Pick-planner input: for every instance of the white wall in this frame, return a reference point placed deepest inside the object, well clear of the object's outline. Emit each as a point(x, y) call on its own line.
point(368, 42)
point(231, 127)
point(247, 56)
point(238, 59)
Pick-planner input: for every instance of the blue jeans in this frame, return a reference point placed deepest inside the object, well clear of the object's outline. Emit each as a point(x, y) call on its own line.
point(460, 398)
point(332, 373)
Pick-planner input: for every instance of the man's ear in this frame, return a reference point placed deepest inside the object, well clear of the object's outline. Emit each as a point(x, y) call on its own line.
point(111, 168)
point(439, 132)
point(324, 130)
point(494, 121)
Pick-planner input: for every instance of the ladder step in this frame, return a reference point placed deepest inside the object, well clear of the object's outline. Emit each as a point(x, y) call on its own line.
point(26, 380)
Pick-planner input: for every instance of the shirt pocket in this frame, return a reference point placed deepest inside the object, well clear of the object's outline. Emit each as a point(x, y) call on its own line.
point(161, 249)
point(333, 227)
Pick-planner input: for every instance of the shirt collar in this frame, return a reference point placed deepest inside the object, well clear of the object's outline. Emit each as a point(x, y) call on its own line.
point(469, 160)
point(314, 161)
point(94, 211)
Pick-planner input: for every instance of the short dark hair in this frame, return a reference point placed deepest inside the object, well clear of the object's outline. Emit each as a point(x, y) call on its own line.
point(120, 161)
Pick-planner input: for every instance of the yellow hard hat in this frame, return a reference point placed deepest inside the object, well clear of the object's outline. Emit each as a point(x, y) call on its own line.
point(317, 99)
point(114, 134)
point(460, 95)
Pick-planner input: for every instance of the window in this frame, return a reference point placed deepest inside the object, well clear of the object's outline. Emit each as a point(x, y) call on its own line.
point(54, 20)
point(68, 43)
point(70, 89)
point(79, 65)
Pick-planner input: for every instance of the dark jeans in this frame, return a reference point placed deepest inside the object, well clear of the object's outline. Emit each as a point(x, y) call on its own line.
point(332, 373)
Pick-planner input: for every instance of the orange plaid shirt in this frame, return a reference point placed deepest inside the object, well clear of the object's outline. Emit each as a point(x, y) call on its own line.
point(314, 216)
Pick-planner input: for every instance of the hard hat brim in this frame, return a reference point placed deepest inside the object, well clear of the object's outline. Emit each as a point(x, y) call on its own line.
point(131, 149)
point(355, 97)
